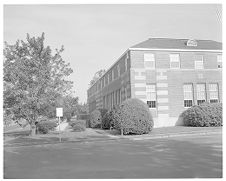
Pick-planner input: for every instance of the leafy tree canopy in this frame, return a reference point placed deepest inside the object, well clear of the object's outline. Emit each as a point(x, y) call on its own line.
point(33, 78)
point(96, 76)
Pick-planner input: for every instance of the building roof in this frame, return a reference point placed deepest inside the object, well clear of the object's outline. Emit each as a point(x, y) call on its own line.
point(168, 43)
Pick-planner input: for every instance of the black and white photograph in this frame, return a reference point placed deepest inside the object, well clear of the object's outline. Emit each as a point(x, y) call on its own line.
point(112, 91)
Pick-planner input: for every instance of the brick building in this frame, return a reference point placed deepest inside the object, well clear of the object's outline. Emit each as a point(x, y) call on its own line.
point(169, 75)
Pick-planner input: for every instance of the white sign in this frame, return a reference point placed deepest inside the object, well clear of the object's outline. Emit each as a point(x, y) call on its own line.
point(59, 112)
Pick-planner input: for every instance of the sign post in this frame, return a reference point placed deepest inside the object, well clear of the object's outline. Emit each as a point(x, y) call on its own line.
point(59, 113)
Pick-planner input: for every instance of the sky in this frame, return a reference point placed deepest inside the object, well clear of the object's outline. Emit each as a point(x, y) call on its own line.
point(95, 36)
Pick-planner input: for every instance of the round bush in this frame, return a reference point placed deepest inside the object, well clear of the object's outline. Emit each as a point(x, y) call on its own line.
point(204, 115)
point(133, 116)
point(45, 126)
point(95, 119)
point(107, 120)
point(79, 125)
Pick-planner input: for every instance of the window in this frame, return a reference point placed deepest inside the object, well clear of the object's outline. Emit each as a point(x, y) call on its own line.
point(118, 69)
point(103, 83)
point(126, 64)
point(199, 62)
point(108, 75)
point(112, 74)
point(219, 61)
point(149, 61)
point(151, 95)
point(188, 95)
point(125, 93)
point(213, 90)
point(201, 93)
point(174, 61)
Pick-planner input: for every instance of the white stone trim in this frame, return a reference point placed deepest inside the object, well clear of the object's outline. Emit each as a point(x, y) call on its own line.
point(161, 70)
point(162, 92)
point(162, 100)
point(161, 108)
point(162, 84)
point(176, 50)
point(144, 100)
point(139, 77)
point(140, 93)
point(140, 85)
point(161, 77)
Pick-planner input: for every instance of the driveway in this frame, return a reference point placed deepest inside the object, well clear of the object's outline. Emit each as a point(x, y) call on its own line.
point(197, 156)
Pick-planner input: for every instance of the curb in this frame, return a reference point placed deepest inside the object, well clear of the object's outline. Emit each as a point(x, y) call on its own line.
point(174, 135)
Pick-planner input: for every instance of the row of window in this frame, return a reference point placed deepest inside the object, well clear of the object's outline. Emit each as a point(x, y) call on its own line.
point(188, 94)
point(110, 76)
point(149, 61)
point(115, 98)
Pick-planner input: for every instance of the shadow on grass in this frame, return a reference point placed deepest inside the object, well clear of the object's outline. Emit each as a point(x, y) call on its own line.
point(18, 133)
point(149, 159)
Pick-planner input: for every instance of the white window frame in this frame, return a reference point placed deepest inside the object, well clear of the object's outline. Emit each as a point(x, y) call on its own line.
point(172, 59)
point(219, 60)
point(151, 89)
point(198, 61)
point(149, 57)
point(214, 91)
point(118, 69)
point(197, 92)
point(190, 91)
point(112, 74)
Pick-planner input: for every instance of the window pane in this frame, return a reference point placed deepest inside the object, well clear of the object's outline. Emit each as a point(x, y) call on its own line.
point(174, 58)
point(188, 93)
point(213, 90)
point(187, 103)
point(149, 57)
point(151, 92)
point(201, 92)
point(198, 64)
point(151, 104)
point(219, 58)
point(149, 61)
point(149, 64)
point(174, 64)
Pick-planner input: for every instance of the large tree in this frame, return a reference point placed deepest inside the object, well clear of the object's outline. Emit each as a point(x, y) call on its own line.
point(33, 78)
point(96, 76)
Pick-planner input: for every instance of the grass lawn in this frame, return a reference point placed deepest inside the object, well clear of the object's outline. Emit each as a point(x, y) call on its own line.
point(179, 157)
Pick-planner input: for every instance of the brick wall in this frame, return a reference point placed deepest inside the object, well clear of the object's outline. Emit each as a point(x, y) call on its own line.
point(169, 82)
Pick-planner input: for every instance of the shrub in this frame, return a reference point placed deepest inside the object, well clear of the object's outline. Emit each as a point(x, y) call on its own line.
point(204, 115)
point(45, 126)
point(79, 125)
point(107, 120)
point(95, 119)
point(133, 116)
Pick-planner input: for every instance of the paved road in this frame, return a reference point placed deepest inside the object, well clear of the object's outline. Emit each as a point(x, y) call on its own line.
point(179, 157)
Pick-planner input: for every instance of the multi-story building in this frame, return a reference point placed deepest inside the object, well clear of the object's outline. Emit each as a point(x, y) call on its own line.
point(169, 75)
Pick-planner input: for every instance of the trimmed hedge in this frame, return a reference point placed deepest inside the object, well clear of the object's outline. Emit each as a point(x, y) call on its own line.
point(204, 115)
point(95, 119)
point(45, 126)
point(133, 116)
point(78, 126)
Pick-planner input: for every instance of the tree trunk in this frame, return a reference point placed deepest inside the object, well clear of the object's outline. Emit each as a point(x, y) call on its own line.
point(121, 131)
point(32, 130)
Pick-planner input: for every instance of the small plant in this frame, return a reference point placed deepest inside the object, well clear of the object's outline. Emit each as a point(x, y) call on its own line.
point(45, 126)
point(79, 125)
point(204, 115)
point(133, 117)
